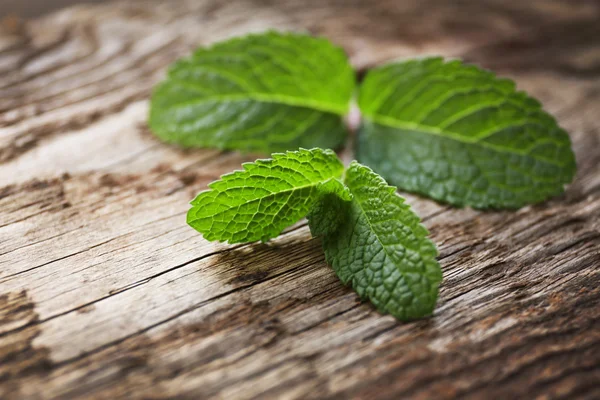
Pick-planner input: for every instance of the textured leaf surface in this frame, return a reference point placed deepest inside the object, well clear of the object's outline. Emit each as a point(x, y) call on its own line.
point(266, 92)
point(266, 197)
point(458, 134)
point(382, 250)
point(329, 213)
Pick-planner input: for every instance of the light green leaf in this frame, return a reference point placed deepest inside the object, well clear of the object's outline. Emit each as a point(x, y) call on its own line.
point(266, 197)
point(263, 92)
point(381, 249)
point(460, 135)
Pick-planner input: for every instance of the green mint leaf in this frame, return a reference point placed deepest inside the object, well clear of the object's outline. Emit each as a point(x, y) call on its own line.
point(263, 92)
point(460, 135)
point(266, 197)
point(381, 248)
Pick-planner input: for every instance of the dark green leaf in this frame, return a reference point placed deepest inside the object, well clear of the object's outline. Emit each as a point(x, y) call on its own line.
point(458, 134)
point(380, 247)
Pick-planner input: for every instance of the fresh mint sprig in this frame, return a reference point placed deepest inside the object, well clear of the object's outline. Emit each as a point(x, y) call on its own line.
point(371, 237)
point(450, 131)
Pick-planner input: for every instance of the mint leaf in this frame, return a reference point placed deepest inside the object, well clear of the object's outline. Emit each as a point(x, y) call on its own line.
point(266, 197)
point(264, 92)
point(381, 249)
point(460, 135)
point(371, 238)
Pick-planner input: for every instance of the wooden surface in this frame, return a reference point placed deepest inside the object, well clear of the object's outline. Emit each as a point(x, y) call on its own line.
point(106, 293)
point(35, 8)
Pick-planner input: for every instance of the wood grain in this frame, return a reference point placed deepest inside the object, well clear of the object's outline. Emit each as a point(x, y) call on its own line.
point(106, 293)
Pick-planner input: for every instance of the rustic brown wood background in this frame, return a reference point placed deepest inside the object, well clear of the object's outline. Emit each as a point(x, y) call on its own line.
point(34, 8)
point(105, 292)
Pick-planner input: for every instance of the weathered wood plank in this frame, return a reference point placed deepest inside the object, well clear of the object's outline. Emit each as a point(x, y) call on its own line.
point(104, 291)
